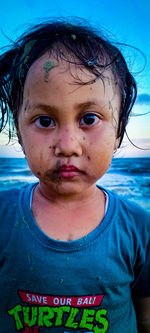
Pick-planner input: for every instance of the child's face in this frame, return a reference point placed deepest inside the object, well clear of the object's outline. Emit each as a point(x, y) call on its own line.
point(68, 130)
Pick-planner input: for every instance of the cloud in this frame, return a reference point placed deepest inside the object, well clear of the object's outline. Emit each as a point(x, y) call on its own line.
point(143, 99)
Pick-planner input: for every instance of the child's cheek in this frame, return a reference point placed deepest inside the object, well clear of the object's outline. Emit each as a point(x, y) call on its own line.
point(38, 161)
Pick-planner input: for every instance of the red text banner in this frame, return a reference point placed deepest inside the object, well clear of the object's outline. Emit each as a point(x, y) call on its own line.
point(77, 301)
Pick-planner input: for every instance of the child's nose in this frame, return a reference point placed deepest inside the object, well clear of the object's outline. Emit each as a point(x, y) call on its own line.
point(68, 143)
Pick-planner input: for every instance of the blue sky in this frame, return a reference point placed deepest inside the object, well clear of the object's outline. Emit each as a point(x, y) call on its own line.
point(127, 21)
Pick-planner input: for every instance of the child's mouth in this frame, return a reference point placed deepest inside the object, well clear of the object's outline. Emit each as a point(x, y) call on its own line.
point(68, 171)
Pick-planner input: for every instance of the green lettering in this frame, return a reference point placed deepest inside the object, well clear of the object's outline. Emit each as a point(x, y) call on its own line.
point(44, 319)
point(70, 321)
point(103, 321)
point(86, 319)
point(26, 311)
point(14, 312)
point(60, 312)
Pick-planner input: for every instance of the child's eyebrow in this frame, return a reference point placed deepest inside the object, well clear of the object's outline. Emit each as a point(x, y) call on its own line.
point(45, 107)
point(77, 106)
point(87, 104)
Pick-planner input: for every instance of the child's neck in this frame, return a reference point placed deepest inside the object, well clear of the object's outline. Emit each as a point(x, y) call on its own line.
point(91, 195)
point(68, 219)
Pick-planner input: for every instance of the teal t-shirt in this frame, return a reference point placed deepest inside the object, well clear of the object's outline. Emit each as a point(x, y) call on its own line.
point(78, 286)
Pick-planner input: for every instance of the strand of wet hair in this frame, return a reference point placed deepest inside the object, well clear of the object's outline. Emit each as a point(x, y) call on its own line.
point(133, 144)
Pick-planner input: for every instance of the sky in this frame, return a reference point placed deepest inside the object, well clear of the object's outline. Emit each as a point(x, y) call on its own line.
point(125, 21)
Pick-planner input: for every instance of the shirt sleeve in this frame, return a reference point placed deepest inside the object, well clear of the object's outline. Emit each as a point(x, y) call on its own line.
point(141, 285)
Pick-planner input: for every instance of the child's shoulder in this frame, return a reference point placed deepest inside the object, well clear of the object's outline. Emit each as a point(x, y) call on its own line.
point(130, 220)
point(130, 213)
point(13, 204)
point(9, 195)
point(127, 210)
point(133, 208)
point(10, 198)
point(122, 203)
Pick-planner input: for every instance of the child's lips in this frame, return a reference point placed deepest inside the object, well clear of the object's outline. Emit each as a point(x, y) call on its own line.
point(67, 167)
point(68, 171)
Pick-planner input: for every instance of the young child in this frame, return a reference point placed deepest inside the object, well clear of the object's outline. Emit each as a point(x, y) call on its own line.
point(74, 257)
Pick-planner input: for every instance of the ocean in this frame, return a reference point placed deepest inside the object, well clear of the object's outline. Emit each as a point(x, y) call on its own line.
point(129, 177)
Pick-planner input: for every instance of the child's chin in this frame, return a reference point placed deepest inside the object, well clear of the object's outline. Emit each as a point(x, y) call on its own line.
point(68, 188)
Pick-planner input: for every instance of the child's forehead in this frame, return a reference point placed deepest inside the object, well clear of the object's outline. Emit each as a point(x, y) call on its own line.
point(53, 81)
point(49, 66)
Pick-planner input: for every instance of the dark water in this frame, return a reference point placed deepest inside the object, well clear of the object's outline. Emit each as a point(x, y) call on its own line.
point(129, 177)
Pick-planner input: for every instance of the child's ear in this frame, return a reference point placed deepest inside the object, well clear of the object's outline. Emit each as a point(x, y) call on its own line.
point(117, 142)
point(18, 132)
point(19, 136)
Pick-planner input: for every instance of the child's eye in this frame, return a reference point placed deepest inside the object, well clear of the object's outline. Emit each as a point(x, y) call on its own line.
point(89, 119)
point(44, 121)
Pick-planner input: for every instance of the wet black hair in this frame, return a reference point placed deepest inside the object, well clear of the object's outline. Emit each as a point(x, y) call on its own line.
point(88, 47)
